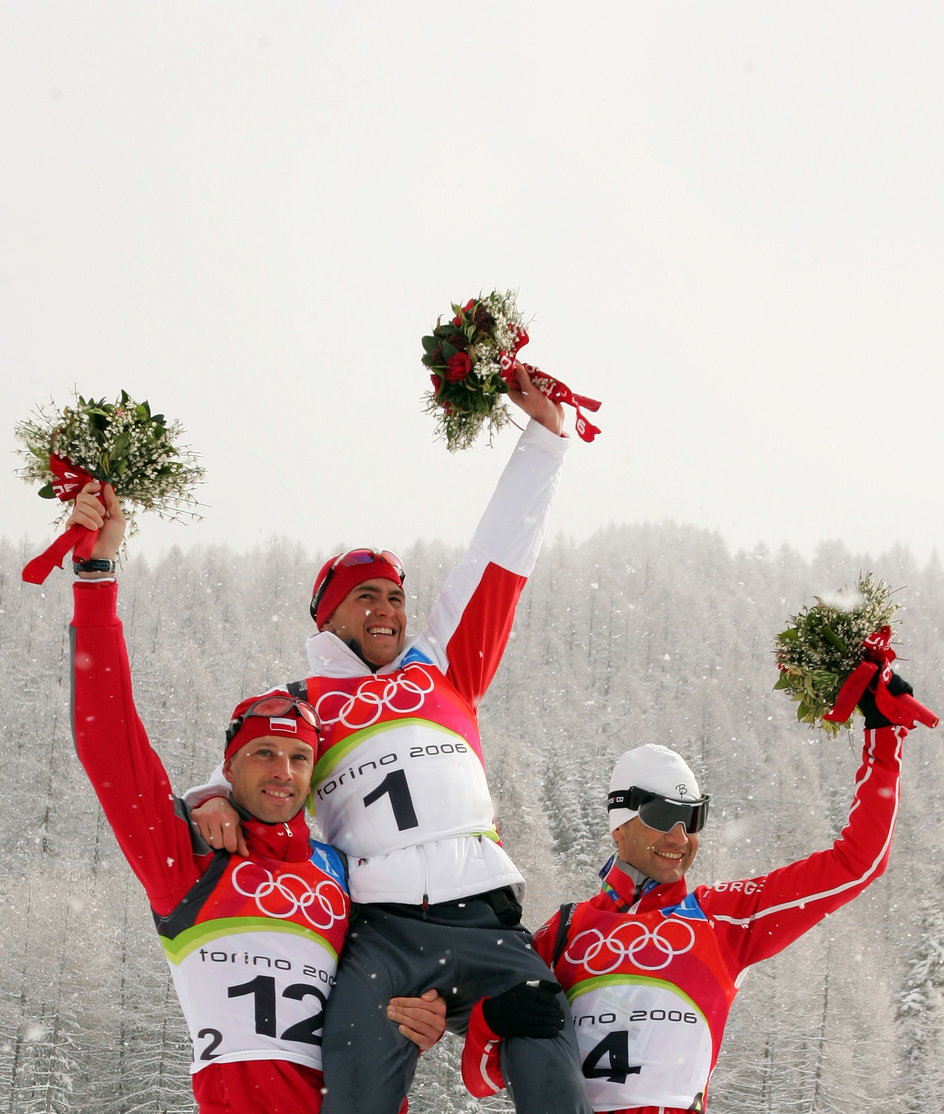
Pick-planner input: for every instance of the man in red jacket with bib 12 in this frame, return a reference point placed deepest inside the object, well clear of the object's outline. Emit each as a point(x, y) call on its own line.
point(253, 939)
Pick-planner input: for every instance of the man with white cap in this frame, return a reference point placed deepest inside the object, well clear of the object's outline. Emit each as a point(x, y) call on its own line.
point(651, 968)
point(669, 793)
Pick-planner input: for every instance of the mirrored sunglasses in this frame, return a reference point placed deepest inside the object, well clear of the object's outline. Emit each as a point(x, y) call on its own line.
point(661, 813)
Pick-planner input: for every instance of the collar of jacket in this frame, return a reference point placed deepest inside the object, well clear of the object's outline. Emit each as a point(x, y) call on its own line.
point(328, 656)
point(622, 889)
point(288, 841)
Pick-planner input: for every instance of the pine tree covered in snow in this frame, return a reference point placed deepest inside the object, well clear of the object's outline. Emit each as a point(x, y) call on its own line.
point(921, 1011)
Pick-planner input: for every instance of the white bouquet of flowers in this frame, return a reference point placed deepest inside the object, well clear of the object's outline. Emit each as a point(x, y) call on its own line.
point(122, 443)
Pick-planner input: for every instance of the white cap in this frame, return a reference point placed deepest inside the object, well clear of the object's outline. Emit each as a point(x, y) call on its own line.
point(655, 768)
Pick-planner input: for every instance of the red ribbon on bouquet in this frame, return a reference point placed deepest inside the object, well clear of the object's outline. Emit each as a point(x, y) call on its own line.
point(878, 656)
point(80, 540)
point(555, 390)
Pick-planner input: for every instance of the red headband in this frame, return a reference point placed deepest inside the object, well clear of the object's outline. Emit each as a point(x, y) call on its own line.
point(290, 726)
point(344, 579)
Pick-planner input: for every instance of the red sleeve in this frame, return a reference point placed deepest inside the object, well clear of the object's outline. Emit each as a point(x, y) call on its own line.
point(128, 777)
point(757, 917)
point(475, 650)
point(481, 1070)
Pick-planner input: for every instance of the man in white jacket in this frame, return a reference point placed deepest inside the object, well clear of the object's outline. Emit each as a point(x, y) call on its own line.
point(399, 785)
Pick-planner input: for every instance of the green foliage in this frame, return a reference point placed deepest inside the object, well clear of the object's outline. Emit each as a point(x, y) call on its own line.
point(121, 443)
point(823, 645)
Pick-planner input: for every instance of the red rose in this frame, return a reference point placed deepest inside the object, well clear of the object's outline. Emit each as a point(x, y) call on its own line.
point(458, 367)
point(436, 382)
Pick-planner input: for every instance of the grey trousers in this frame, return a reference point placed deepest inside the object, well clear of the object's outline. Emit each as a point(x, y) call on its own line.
point(463, 950)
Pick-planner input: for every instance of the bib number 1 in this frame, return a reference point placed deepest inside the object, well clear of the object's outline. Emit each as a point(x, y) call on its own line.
point(394, 786)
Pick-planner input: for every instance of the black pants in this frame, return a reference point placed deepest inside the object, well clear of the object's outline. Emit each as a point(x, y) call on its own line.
point(463, 949)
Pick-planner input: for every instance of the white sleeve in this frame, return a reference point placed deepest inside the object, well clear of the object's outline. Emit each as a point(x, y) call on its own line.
point(511, 530)
point(217, 786)
point(509, 536)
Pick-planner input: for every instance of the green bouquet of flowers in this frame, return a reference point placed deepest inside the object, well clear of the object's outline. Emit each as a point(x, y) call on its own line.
point(824, 644)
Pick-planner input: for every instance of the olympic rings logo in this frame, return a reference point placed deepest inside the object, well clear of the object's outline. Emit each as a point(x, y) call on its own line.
point(403, 693)
point(651, 949)
point(284, 896)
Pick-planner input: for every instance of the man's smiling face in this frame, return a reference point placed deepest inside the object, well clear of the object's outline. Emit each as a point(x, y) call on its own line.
point(374, 616)
point(662, 856)
point(270, 776)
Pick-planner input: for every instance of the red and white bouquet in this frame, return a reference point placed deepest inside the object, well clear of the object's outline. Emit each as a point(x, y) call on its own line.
point(472, 358)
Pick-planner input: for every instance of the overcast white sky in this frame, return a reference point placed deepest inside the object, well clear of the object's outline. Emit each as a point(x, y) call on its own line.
point(724, 219)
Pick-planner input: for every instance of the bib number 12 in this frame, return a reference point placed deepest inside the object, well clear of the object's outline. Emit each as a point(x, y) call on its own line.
point(262, 989)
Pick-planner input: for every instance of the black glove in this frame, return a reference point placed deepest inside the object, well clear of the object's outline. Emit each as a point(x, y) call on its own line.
point(530, 1009)
point(867, 706)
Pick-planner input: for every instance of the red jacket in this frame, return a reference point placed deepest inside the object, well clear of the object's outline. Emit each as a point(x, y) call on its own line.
point(252, 942)
point(651, 977)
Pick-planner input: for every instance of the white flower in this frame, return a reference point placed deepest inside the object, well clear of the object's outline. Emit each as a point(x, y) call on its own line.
point(122, 443)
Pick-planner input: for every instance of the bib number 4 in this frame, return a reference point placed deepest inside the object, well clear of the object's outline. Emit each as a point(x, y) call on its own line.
point(609, 1059)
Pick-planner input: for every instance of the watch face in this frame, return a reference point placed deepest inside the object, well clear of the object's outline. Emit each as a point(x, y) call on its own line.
point(93, 565)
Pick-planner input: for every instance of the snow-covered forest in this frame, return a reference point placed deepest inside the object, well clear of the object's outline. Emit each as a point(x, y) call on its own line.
point(645, 633)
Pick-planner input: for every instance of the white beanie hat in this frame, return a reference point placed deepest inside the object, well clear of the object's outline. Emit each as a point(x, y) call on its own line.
point(655, 768)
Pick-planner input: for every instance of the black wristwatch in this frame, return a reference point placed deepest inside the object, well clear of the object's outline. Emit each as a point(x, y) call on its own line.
point(95, 564)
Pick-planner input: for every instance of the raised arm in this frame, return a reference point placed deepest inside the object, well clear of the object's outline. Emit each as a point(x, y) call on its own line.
point(471, 621)
point(535, 403)
point(127, 775)
point(758, 917)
